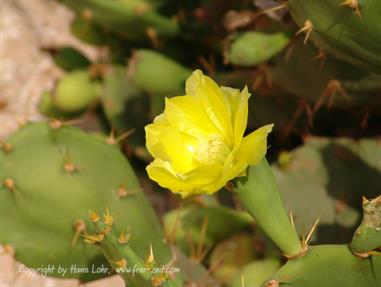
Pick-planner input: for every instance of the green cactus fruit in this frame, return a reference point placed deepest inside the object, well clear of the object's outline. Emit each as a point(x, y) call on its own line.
point(230, 255)
point(46, 107)
point(326, 179)
point(259, 194)
point(256, 272)
point(70, 59)
point(76, 91)
point(253, 48)
point(158, 75)
point(367, 236)
point(301, 72)
point(133, 19)
point(51, 175)
point(184, 226)
point(348, 29)
point(328, 265)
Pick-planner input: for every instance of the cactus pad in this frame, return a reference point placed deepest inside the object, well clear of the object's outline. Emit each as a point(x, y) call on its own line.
point(51, 176)
point(350, 30)
point(326, 179)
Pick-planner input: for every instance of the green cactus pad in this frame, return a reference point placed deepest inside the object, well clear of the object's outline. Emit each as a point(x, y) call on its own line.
point(253, 48)
point(51, 178)
point(88, 32)
point(326, 179)
point(126, 107)
point(328, 266)
point(130, 19)
point(300, 72)
point(338, 29)
point(256, 272)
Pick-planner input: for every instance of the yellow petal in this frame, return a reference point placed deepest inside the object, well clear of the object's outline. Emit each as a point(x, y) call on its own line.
point(187, 115)
point(233, 167)
point(162, 172)
point(153, 131)
point(203, 176)
point(241, 114)
point(186, 185)
point(176, 147)
point(254, 146)
point(168, 144)
point(237, 101)
point(210, 96)
point(231, 97)
point(233, 171)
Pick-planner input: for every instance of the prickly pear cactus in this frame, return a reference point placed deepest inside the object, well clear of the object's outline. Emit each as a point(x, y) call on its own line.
point(73, 94)
point(327, 179)
point(348, 29)
point(253, 48)
point(88, 31)
point(368, 235)
point(126, 107)
point(140, 271)
point(133, 19)
point(51, 176)
point(70, 59)
point(256, 272)
point(76, 91)
point(328, 265)
point(302, 71)
point(230, 256)
point(157, 75)
point(212, 224)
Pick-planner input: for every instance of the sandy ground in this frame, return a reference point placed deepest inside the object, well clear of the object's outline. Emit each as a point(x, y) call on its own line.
point(25, 71)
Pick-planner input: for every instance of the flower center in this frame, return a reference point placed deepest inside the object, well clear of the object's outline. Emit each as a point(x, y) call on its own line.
point(212, 150)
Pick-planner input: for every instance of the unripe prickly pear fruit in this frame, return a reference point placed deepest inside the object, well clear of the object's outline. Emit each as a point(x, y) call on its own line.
point(253, 48)
point(76, 91)
point(156, 73)
point(367, 237)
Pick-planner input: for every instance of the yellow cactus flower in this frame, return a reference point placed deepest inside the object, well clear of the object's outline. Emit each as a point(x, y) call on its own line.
point(198, 143)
